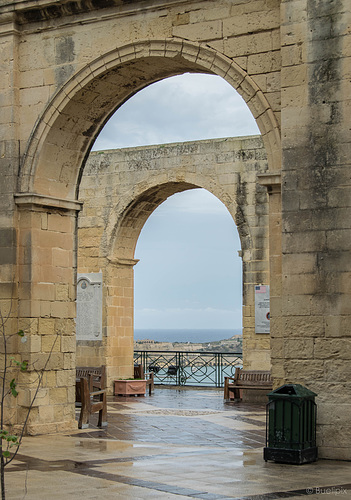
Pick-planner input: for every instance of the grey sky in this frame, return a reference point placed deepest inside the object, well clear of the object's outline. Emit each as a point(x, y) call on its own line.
point(189, 274)
point(182, 108)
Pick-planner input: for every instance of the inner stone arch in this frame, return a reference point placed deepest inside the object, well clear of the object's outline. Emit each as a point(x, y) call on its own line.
point(126, 234)
point(107, 238)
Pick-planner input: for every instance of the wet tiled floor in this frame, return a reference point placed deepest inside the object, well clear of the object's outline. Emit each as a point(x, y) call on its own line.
point(176, 444)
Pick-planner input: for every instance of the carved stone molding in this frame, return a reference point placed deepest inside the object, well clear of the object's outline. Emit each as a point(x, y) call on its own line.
point(272, 181)
point(34, 200)
point(123, 262)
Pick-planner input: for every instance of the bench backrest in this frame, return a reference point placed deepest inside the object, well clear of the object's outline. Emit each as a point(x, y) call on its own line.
point(139, 372)
point(96, 376)
point(252, 377)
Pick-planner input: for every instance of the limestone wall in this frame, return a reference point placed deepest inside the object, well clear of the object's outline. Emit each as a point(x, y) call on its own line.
point(312, 342)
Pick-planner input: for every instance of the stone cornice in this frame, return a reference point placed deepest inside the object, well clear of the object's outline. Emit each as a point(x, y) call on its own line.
point(29, 11)
point(123, 262)
point(39, 200)
point(272, 181)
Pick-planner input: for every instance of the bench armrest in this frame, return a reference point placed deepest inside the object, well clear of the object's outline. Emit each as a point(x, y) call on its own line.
point(96, 393)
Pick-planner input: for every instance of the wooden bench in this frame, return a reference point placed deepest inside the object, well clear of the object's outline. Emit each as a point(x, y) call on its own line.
point(149, 377)
point(91, 393)
point(246, 379)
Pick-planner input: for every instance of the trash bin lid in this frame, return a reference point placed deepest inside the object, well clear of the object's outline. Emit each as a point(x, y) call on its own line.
point(292, 391)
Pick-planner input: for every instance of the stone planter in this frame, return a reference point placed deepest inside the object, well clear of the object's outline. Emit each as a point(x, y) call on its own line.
point(130, 387)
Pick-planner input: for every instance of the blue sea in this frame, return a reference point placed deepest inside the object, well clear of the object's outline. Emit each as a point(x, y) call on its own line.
point(198, 336)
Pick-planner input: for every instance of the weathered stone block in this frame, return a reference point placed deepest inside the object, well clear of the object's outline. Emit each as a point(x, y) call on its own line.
point(58, 395)
point(68, 344)
point(337, 326)
point(332, 348)
point(298, 348)
point(209, 30)
point(304, 326)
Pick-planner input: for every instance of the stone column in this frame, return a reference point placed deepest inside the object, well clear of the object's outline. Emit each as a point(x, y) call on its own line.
point(272, 181)
point(316, 211)
point(9, 162)
point(46, 277)
point(120, 319)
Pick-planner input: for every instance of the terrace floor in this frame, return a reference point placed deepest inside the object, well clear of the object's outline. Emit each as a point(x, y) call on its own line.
point(176, 444)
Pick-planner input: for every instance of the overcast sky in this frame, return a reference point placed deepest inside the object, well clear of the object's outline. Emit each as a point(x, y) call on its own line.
point(189, 274)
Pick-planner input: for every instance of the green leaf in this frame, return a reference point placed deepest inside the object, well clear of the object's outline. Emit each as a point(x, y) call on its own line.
point(11, 439)
point(6, 454)
point(13, 388)
point(24, 366)
point(20, 333)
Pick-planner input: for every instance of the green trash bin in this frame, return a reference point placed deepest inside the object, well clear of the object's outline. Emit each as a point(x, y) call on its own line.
point(291, 425)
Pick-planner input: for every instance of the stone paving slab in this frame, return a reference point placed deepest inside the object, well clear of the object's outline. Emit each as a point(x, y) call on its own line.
point(175, 444)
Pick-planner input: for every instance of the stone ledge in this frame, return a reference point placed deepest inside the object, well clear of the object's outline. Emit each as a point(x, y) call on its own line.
point(271, 180)
point(123, 262)
point(39, 200)
point(44, 10)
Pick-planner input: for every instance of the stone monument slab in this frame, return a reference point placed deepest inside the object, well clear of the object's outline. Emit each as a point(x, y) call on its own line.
point(262, 309)
point(89, 306)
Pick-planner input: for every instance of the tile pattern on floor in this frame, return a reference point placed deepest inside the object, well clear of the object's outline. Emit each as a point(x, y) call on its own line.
point(176, 444)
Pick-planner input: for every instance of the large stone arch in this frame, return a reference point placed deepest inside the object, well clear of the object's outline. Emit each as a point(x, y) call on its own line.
point(52, 166)
point(58, 147)
point(145, 201)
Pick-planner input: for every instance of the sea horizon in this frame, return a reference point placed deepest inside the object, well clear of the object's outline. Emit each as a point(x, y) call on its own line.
point(196, 335)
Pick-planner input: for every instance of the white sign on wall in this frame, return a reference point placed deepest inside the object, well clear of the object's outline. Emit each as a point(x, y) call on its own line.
point(262, 309)
point(89, 306)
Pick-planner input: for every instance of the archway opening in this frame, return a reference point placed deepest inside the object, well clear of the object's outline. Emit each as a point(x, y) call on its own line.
point(188, 283)
point(146, 177)
point(56, 153)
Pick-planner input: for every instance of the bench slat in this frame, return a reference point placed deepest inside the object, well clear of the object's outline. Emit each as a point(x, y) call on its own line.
point(246, 379)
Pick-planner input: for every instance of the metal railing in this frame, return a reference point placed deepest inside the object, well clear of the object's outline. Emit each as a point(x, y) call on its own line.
point(206, 369)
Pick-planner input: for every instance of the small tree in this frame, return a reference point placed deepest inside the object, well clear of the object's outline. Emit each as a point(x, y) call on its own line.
point(10, 443)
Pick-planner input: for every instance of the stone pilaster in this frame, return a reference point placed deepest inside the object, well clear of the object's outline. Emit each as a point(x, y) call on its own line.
point(272, 181)
point(46, 312)
point(120, 318)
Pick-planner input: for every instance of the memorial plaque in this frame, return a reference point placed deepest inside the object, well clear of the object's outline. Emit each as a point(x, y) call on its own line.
point(89, 306)
point(262, 309)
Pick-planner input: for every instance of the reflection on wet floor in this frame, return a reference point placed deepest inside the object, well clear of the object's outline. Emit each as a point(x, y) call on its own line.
point(176, 444)
point(185, 416)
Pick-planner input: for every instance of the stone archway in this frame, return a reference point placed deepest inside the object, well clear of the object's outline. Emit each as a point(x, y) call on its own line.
point(121, 188)
point(54, 160)
point(52, 167)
